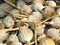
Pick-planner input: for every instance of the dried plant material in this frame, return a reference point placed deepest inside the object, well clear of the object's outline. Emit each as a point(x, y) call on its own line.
point(20, 3)
point(28, 1)
point(55, 22)
point(8, 21)
point(1, 25)
point(54, 34)
point(25, 34)
point(46, 41)
point(58, 11)
point(51, 3)
point(2, 44)
point(25, 11)
point(4, 6)
point(48, 11)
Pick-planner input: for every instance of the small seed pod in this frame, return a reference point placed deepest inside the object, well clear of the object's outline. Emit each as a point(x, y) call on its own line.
point(25, 34)
point(53, 33)
point(38, 6)
point(47, 12)
point(58, 11)
point(4, 6)
point(15, 43)
point(14, 11)
point(55, 22)
point(25, 11)
point(20, 3)
point(51, 3)
point(27, 1)
point(3, 35)
point(1, 25)
point(40, 29)
point(38, 15)
point(8, 21)
point(46, 41)
point(13, 38)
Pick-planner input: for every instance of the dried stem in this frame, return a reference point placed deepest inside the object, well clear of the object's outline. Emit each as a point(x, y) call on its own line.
point(11, 4)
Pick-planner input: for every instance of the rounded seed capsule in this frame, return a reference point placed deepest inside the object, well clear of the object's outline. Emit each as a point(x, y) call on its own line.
point(54, 34)
point(25, 34)
point(55, 22)
point(58, 11)
point(8, 21)
point(25, 11)
point(46, 41)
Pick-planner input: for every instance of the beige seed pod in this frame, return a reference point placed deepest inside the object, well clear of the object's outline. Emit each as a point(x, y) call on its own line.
point(46, 41)
point(47, 12)
point(13, 38)
point(3, 35)
point(58, 11)
point(40, 29)
point(51, 3)
point(20, 3)
point(55, 22)
point(25, 11)
point(25, 34)
point(53, 33)
point(2, 44)
point(15, 43)
point(8, 21)
point(4, 6)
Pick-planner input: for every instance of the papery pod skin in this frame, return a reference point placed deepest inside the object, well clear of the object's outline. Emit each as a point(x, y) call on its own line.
point(20, 3)
point(13, 38)
point(2, 44)
point(53, 33)
point(25, 34)
point(6, 7)
point(8, 21)
point(58, 11)
point(46, 41)
point(25, 11)
point(55, 22)
point(14, 43)
point(3, 35)
point(48, 11)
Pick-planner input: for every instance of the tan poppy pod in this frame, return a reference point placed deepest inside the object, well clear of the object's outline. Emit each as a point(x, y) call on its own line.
point(25, 11)
point(46, 41)
point(1, 25)
point(55, 22)
point(12, 38)
point(53, 33)
point(8, 21)
point(4, 6)
point(25, 34)
point(58, 11)
point(40, 29)
point(20, 3)
point(47, 12)
point(3, 35)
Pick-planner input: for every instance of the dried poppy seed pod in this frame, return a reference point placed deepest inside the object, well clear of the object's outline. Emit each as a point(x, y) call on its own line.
point(4, 6)
point(47, 12)
point(55, 22)
point(27, 1)
point(46, 41)
point(25, 11)
point(58, 11)
point(3, 35)
point(38, 6)
point(20, 3)
point(51, 3)
point(13, 38)
point(53, 33)
point(15, 43)
point(40, 29)
point(14, 11)
point(25, 35)
point(8, 21)
point(38, 15)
